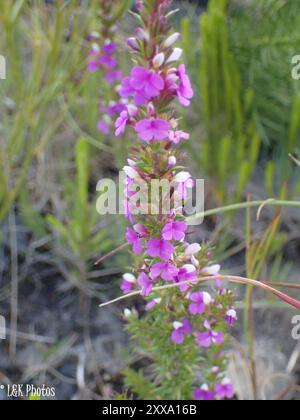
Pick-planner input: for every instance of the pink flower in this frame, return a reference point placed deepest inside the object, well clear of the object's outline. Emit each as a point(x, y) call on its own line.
point(113, 76)
point(152, 129)
point(146, 284)
point(126, 88)
point(231, 317)
point(180, 330)
point(121, 123)
point(104, 127)
point(186, 273)
point(224, 390)
point(108, 61)
point(146, 82)
point(204, 394)
point(201, 300)
point(158, 248)
point(110, 48)
point(176, 136)
point(152, 304)
point(134, 240)
point(185, 182)
point(210, 337)
point(141, 230)
point(174, 231)
point(185, 91)
point(166, 271)
point(128, 283)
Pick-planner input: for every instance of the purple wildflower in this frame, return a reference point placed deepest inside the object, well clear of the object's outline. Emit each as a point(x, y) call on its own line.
point(128, 283)
point(150, 305)
point(134, 240)
point(224, 390)
point(185, 91)
point(209, 337)
point(146, 284)
point(166, 271)
point(204, 394)
point(231, 317)
point(176, 136)
point(152, 129)
point(158, 248)
point(180, 330)
point(201, 300)
point(174, 231)
point(104, 127)
point(121, 123)
point(186, 273)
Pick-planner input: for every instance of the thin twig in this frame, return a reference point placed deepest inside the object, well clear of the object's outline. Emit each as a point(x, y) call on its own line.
point(233, 279)
point(111, 254)
point(14, 286)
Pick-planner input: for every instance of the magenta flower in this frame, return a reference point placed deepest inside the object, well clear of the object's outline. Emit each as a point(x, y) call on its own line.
point(201, 300)
point(224, 390)
point(107, 61)
point(110, 48)
point(113, 76)
point(141, 230)
point(133, 239)
point(121, 123)
point(166, 271)
point(128, 283)
point(158, 248)
point(126, 88)
point(146, 284)
point(174, 231)
point(150, 305)
point(185, 91)
point(186, 273)
point(104, 127)
point(146, 82)
point(176, 136)
point(231, 317)
point(204, 394)
point(210, 337)
point(181, 329)
point(153, 129)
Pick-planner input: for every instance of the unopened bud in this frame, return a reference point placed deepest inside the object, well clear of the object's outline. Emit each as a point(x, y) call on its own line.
point(176, 54)
point(159, 60)
point(171, 40)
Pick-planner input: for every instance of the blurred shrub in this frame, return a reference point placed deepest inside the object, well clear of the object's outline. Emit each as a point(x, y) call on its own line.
point(230, 145)
point(43, 47)
point(78, 238)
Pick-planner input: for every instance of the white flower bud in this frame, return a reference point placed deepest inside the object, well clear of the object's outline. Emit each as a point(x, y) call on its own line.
point(172, 161)
point(131, 173)
point(182, 177)
point(129, 278)
point(192, 250)
point(142, 34)
point(171, 40)
point(207, 299)
point(212, 270)
point(176, 54)
point(159, 60)
point(177, 325)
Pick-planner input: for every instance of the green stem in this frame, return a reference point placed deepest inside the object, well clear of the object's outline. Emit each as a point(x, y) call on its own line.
point(245, 205)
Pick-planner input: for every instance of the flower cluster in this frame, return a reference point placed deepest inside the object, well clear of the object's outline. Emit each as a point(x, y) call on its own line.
point(155, 86)
point(102, 58)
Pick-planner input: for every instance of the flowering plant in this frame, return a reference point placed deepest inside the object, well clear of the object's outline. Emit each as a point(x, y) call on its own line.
point(186, 320)
point(102, 58)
